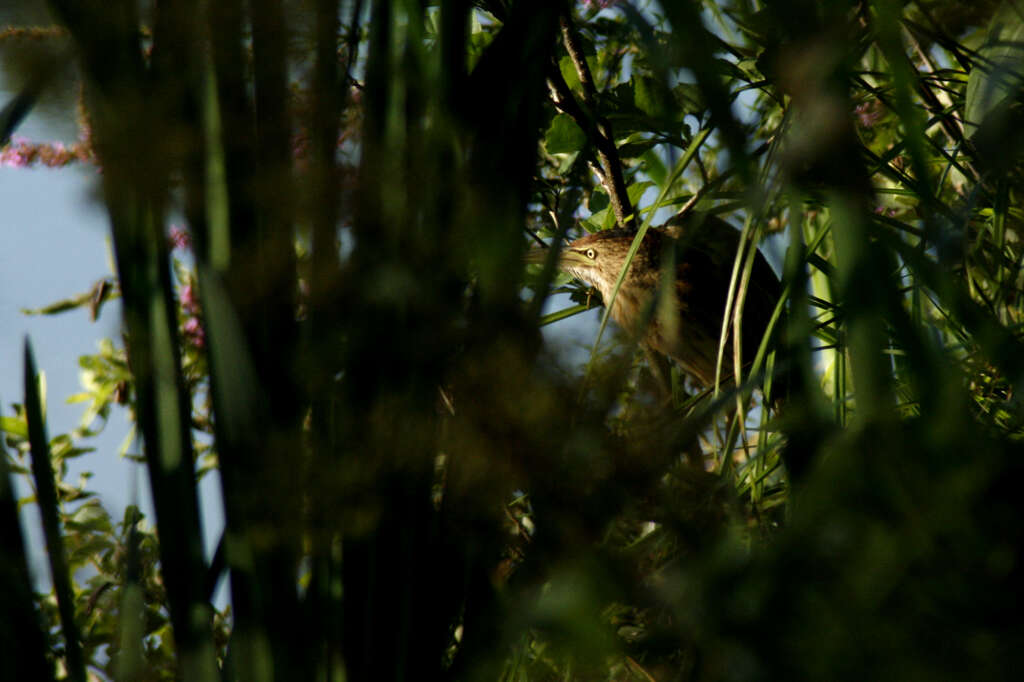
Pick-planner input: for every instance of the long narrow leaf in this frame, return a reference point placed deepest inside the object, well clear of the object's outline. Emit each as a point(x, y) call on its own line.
point(49, 506)
point(22, 646)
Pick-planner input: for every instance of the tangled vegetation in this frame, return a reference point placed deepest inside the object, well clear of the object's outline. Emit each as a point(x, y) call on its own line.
point(319, 212)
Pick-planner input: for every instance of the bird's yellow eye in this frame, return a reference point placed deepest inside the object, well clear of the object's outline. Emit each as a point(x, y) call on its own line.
point(591, 254)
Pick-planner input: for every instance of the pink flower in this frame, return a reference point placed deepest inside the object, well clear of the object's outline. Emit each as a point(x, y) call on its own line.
point(194, 331)
point(189, 303)
point(16, 153)
point(180, 238)
point(869, 113)
point(12, 157)
point(20, 153)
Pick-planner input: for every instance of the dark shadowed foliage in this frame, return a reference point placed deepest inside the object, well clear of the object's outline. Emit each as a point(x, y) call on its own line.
point(417, 483)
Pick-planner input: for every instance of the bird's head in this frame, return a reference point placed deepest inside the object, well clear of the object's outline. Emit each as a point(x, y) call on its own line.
point(597, 259)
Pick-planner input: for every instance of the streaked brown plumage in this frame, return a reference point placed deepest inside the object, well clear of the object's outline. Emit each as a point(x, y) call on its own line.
point(689, 331)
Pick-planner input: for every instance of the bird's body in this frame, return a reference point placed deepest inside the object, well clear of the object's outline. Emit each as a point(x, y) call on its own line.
point(687, 325)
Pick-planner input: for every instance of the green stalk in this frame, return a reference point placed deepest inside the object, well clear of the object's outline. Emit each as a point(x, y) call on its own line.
point(46, 496)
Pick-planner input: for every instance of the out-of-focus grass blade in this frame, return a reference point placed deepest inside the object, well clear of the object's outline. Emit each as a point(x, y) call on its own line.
point(236, 391)
point(218, 564)
point(163, 418)
point(130, 659)
point(46, 496)
point(230, 364)
point(39, 72)
point(14, 112)
point(217, 202)
point(22, 647)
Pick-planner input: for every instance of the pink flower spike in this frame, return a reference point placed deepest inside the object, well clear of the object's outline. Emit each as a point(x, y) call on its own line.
point(10, 159)
point(188, 299)
point(868, 113)
point(180, 238)
point(193, 329)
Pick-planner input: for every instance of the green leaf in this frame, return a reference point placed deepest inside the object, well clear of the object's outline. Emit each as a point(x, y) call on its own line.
point(568, 69)
point(689, 98)
point(14, 426)
point(636, 148)
point(727, 69)
point(1000, 71)
point(602, 220)
point(596, 221)
point(563, 136)
point(91, 515)
point(651, 96)
point(654, 166)
point(637, 189)
point(61, 306)
point(46, 494)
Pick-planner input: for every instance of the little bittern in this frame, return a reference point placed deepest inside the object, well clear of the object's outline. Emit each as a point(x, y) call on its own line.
point(687, 326)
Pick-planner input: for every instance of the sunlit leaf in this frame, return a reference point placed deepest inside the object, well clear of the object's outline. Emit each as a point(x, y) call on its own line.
point(564, 136)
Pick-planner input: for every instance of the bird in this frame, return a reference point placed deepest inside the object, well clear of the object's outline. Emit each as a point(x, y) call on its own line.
point(687, 326)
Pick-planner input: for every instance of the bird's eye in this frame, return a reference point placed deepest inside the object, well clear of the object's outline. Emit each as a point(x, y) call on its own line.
point(591, 254)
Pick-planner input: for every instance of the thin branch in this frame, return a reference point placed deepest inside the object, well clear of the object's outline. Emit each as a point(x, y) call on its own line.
point(536, 237)
point(596, 126)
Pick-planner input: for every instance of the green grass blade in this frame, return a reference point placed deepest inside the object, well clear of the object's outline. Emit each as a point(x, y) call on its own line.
point(131, 660)
point(564, 313)
point(22, 646)
point(46, 496)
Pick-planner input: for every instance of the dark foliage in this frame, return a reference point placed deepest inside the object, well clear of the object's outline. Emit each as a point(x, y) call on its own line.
point(416, 485)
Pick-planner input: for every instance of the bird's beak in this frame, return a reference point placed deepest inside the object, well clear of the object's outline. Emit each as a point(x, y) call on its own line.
point(536, 256)
point(539, 256)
